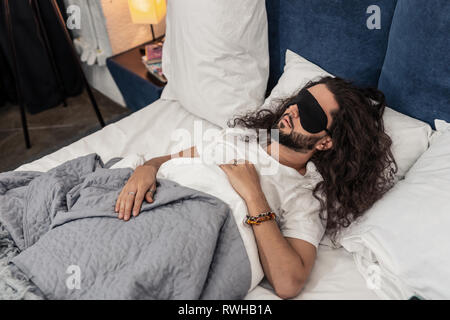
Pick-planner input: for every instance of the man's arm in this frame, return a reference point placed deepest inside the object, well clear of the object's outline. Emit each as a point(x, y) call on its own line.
point(142, 184)
point(159, 161)
point(287, 262)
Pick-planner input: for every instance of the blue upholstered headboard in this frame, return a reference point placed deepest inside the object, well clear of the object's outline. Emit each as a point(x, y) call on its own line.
point(400, 46)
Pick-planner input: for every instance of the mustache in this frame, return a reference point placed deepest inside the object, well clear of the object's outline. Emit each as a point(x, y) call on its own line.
point(278, 123)
point(294, 140)
point(291, 122)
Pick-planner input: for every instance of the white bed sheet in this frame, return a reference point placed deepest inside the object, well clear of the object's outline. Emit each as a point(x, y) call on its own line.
point(334, 277)
point(150, 132)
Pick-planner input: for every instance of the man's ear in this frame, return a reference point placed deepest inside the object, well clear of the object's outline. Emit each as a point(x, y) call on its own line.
point(324, 144)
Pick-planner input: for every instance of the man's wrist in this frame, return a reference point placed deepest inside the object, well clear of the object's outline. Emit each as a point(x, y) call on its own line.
point(257, 196)
point(257, 204)
point(152, 163)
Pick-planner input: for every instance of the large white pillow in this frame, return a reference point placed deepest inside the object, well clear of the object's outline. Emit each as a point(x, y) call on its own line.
point(404, 240)
point(216, 56)
point(297, 73)
point(410, 137)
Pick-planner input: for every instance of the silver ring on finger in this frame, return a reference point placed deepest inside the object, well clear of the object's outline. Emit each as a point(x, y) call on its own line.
point(131, 193)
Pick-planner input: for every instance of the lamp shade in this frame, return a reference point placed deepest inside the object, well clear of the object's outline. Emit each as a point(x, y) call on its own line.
point(147, 11)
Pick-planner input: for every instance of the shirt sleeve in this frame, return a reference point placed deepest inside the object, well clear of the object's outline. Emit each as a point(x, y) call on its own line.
point(220, 146)
point(301, 218)
point(207, 140)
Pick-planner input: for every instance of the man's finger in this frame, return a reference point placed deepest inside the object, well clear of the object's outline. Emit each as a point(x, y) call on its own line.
point(138, 202)
point(129, 205)
point(150, 193)
point(226, 167)
point(117, 206)
point(149, 197)
point(121, 208)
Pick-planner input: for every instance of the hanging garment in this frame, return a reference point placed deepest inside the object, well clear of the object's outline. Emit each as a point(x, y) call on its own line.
point(46, 74)
point(92, 40)
point(7, 90)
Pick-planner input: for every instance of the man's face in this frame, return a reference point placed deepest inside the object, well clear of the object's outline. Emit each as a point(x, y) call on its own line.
point(291, 132)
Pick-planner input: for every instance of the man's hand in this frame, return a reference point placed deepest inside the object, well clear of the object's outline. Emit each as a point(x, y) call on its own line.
point(244, 179)
point(140, 186)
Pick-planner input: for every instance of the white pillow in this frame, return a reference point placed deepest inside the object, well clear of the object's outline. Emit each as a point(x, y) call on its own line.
point(410, 136)
point(216, 56)
point(297, 73)
point(405, 236)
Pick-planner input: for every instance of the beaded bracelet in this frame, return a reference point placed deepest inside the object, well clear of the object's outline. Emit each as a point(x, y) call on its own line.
point(263, 217)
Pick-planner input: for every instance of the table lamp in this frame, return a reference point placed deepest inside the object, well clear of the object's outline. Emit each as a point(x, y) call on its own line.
point(147, 12)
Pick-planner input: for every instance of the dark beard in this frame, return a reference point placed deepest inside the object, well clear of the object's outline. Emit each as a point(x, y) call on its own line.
point(295, 141)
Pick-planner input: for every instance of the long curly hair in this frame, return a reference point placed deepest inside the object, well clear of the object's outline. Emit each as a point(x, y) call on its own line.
point(359, 168)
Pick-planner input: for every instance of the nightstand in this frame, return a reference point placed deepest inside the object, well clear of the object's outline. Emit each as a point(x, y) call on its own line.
point(138, 87)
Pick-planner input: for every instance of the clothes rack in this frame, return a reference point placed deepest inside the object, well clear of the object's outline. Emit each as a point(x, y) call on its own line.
point(15, 62)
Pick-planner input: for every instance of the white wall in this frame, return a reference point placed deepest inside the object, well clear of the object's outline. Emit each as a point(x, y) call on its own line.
point(100, 78)
point(123, 34)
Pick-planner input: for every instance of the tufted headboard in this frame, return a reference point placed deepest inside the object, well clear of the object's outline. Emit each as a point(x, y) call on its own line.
point(400, 46)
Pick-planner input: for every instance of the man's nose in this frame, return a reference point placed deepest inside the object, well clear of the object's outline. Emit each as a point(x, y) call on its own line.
point(294, 111)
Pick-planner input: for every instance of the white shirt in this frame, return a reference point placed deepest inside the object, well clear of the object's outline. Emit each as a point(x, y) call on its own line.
point(288, 193)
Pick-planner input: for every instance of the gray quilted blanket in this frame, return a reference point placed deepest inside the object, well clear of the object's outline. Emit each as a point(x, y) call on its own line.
point(71, 244)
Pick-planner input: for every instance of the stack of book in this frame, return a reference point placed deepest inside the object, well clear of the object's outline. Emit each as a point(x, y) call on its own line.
point(152, 60)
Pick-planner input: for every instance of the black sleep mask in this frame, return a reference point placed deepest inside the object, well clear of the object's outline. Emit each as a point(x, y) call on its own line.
point(312, 117)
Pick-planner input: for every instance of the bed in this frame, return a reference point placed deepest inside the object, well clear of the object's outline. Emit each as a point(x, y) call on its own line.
point(373, 54)
point(148, 132)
